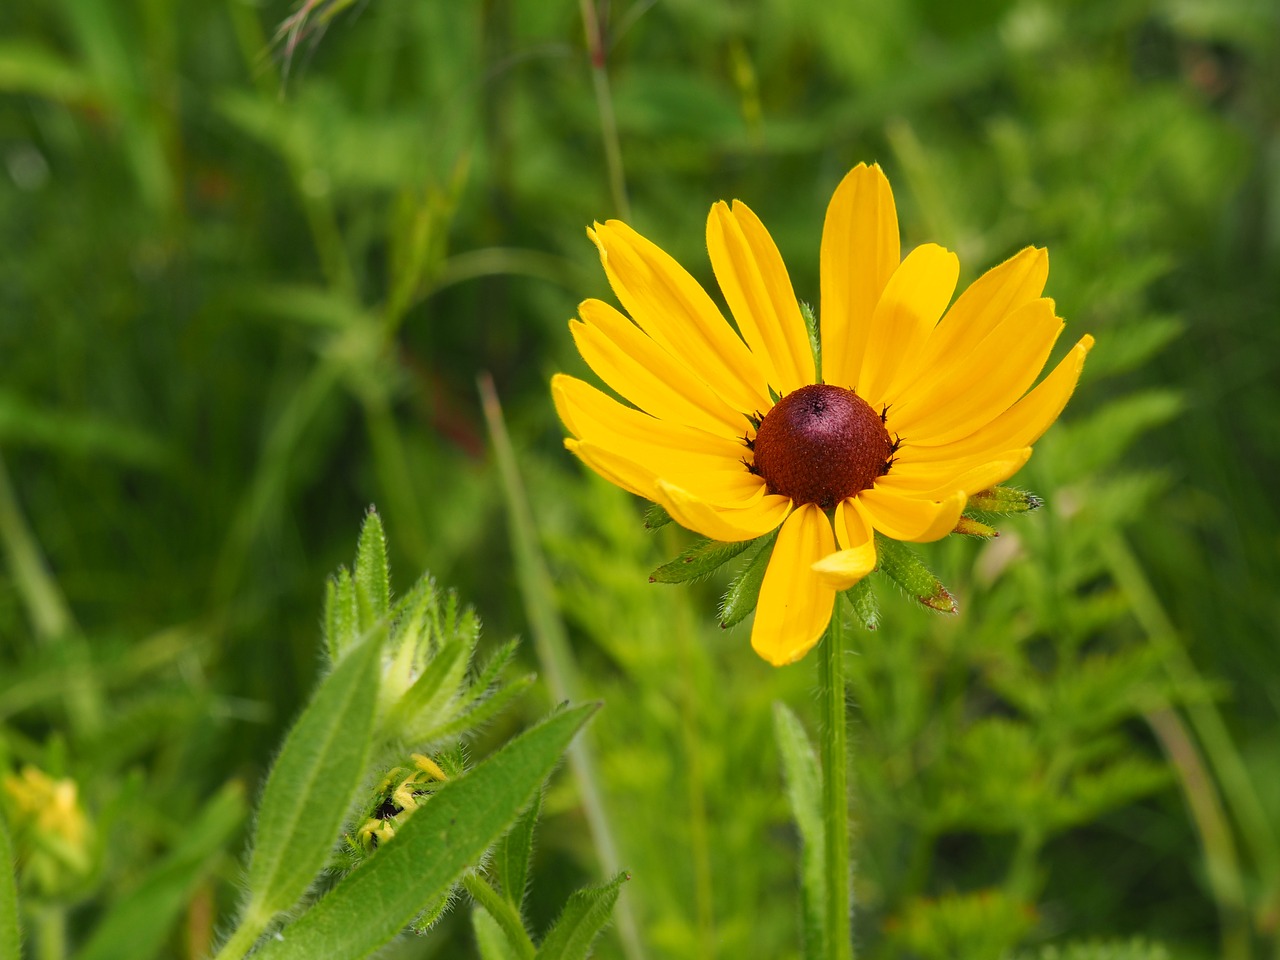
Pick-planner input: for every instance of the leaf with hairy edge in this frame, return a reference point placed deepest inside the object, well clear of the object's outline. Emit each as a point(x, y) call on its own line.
point(312, 783)
point(372, 572)
point(701, 560)
point(430, 851)
point(656, 517)
point(1004, 500)
point(745, 589)
point(137, 926)
point(904, 567)
point(804, 793)
point(510, 861)
point(583, 918)
point(863, 603)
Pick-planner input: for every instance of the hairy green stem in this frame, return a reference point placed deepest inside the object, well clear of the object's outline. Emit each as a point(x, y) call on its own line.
point(835, 787)
point(242, 939)
point(503, 913)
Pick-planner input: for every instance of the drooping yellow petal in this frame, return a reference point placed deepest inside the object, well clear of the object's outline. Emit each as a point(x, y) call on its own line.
point(758, 290)
point(909, 308)
point(1024, 422)
point(987, 301)
point(933, 481)
point(857, 556)
point(644, 475)
point(732, 522)
point(795, 604)
point(860, 252)
point(912, 519)
point(997, 372)
point(646, 374)
point(670, 306)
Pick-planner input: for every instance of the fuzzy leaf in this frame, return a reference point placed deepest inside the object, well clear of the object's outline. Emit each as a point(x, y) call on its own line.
point(435, 686)
point(10, 929)
point(137, 925)
point(804, 793)
point(656, 517)
point(372, 572)
point(368, 907)
point(511, 855)
point(341, 614)
point(815, 339)
point(863, 603)
point(745, 589)
point(701, 560)
point(312, 782)
point(1004, 500)
point(904, 567)
point(584, 916)
point(969, 527)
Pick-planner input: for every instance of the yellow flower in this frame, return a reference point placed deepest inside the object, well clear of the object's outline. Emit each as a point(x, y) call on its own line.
point(737, 435)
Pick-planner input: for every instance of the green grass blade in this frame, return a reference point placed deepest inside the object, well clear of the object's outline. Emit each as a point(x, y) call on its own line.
point(584, 916)
point(137, 926)
point(10, 929)
point(450, 833)
point(312, 782)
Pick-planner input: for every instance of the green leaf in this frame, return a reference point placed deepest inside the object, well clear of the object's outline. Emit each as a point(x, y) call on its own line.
point(656, 517)
point(435, 686)
point(969, 526)
point(372, 572)
point(745, 589)
point(815, 339)
point(481, 711)
point(490, 939)
point(804, 793)
point(511, 855)
point(583, 918)
point(863, 603)
point(904, 567)
point(701, 560)
point(313, 781)
point(341, 615)
point(10, 929)
point(137, 925)
point(430, 851)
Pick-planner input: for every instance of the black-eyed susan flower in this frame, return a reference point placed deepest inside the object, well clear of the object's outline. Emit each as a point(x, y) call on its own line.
point(912, 403)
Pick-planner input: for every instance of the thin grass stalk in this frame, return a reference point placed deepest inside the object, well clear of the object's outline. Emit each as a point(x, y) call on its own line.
point(604, 106)
point(835, 786)
point(551, 644)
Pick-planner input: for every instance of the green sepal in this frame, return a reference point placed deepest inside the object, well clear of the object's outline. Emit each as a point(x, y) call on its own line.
point(970, 527)
point(510, 860)
point(863, 603)
point(656, 517)
point(583, 918)
point(372, 572)
point(701, 560)
point(341, 615)
point(1004, 500)
point(745, 589)
point(904, 567)
point(815, 340)
point(804, 793)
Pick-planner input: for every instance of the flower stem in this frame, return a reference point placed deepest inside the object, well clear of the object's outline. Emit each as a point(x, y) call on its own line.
point(835, 787)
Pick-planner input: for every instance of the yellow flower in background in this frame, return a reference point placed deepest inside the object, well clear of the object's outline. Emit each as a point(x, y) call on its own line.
point(916, 405)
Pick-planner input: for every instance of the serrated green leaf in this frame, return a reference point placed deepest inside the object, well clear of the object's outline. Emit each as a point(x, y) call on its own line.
point(584, 916)
point(312, 782)
point(745, 589)
point(372, 572)
point(10, 927)
point(656, 516)
point(368, 907)
point(511, 855)
point(137, 926)
point(863, 603)
point(904, 567)
point(804, 793)
point(701, 560)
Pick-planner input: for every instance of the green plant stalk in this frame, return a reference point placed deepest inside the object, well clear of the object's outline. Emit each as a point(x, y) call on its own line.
point(49, 613)
point(604, 104)
point(835, 786)
point(554, 657)
point(50, 923)
point(503, 913)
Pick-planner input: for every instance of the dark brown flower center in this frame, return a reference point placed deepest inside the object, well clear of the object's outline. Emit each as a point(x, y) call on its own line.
point(821, 444)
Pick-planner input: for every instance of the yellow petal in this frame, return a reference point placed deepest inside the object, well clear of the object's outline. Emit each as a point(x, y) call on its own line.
point(909, 518)
point(1026, 421)
point(857, 556)
point(620, 472)
point(909, 308)
point(647, 375)
point(744, 520)
point(933, 481)
point(731, 485)
point(795, 604)
point(977, 311)
point(860, 252)
point(674, 310)
point(997, 372)
point(754, 280)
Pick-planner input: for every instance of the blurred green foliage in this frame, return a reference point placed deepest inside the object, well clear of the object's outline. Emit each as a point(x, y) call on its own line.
point(249, 280)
